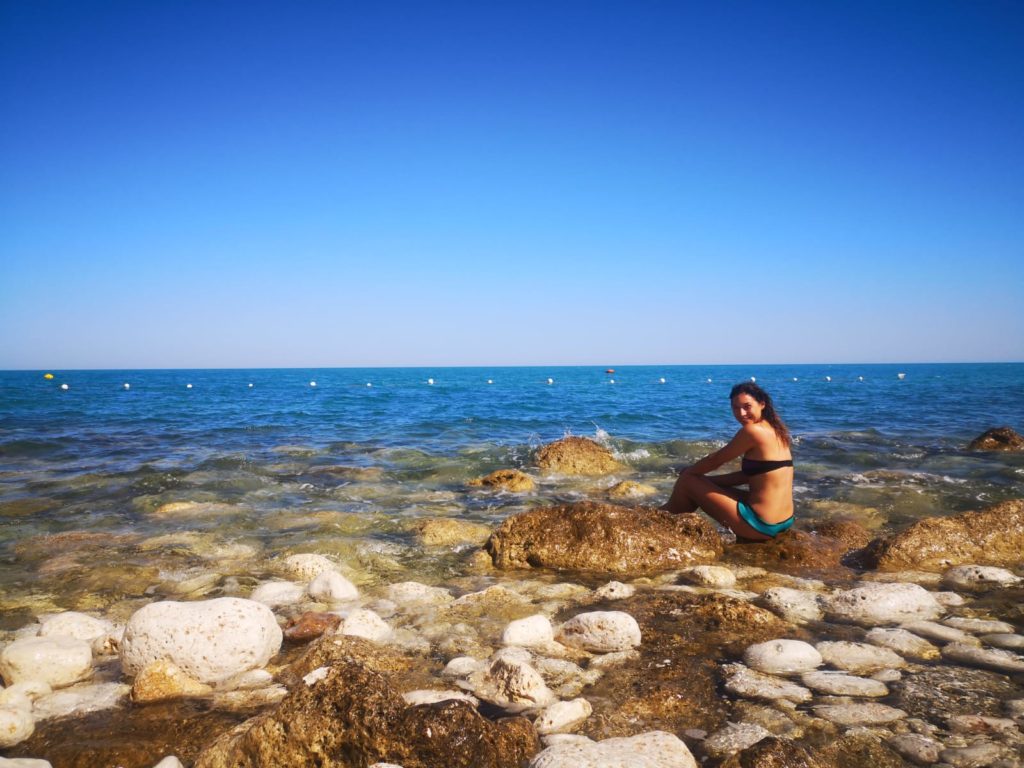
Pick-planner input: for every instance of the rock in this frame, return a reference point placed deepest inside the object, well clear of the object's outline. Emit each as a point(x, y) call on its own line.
point(782, 657)
point(79, 699)
point(756, 685)
point(978, 578)
point(940, 633)
point(997, 439)
point(462, 666)
point(304, 567)
point(794, 552)
point(169, 762)
point(160, 680)
point(615, 590)
point(835, 684)
point(588, 536)
point(628, 489)
point(859, 658)
point(310, 626)
point(367, 624)
point(773, 752)
point(734, 737)
point(973, 724)
point(432, 696)
point(993, 536)
point(512, 683)
point(16, 725)
point(355, 716)
point(99, 633)
point(988, 658)
point(57, 661)
point(601, 631)
point(655, 749)
point(859, 713)
point(23, 762)
point(275, 594)
point(708, 576)
point(528, 632)
point(408, 593)
point(448, 532)
point(254, 678)
point(576, 456)
point(877, 604)
point(563, 716)
point(978, 625)
point(1009, 642)
point(507, 480)
point(332, 587)
point(210, 640)
point(795, 605)
point(976, 755)
point(938, 692)
point(902, 642)
point(915, 748)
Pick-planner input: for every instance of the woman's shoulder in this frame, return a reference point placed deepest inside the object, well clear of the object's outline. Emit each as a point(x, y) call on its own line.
point(766, 441)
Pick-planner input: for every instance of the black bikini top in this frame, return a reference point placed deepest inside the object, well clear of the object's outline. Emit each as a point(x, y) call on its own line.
point(759, 467)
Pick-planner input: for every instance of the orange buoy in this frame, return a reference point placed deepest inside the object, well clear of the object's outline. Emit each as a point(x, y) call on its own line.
point(609, 370)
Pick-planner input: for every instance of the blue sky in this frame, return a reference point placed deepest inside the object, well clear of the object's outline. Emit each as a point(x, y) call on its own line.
point(220, 184)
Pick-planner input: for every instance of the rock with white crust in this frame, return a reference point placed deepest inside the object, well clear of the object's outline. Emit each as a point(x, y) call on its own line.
point(332, 587)
point(796, 605)
point(563, 717)
point(275, 594)
point(879, 604)
point(99, 633)
point(529, 632)
point(366, 623)
point(782, 657)
point(57, 661)
point(654, 749)
point(859, 658)
point(210, 640)
point(978, 578)
point(601, 632)
point(16, 725)
point(304, 567)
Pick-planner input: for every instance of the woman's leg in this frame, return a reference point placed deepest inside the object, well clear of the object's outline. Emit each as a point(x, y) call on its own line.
point(693, 491)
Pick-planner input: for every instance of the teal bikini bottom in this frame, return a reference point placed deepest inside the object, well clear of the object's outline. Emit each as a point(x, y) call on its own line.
point(768, 529)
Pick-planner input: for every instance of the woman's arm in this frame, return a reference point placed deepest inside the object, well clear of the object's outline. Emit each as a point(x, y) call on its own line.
point(741, 442)
point(729, 480)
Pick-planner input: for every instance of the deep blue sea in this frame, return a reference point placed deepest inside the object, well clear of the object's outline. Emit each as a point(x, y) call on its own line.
point(264, 458)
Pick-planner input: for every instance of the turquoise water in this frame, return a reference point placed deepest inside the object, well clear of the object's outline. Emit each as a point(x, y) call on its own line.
point(347, 462)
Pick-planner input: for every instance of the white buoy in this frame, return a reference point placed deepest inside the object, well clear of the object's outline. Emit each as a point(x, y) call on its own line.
point(860, 378)
point(901, 376)
point(369, 384)
point(611, 381)
point(753, 378)
point(490, 381)
point(661, 380)
point(250, 385)
point(795, 379)
point(312, 383)
point(709, 381)
point(64, 386)
point(188, 386)
point(551, 381)
point(828, 378)
point(430, 382)
point(127, 385)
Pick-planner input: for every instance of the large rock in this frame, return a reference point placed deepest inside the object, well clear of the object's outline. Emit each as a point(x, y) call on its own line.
point(656, 749)
point(355, 716)
point(590, 536)
point(993, 536)
point(506, 480)
point(823, 550)
point(449, 532)
point(57, 661)
point(601, 631)
point(997, 439)
point(210, 640)
point(576, 456)
point(877, 604)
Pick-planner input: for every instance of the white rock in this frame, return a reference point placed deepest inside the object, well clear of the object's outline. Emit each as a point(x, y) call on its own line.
point(210, 640)
point(304, 567)
point(385, 765)
point(315, 676)
point(1005, 640)
point(976, 578)
point(529, 632)
point(169, 762)
point(887, 675)
point(563, 716)
point(878, 604)
point(795, 605)
point(462, 666)
point(859, 713)
point(367, 624)
point(859, 658)
point(512, 684)
point(332, 587)
point(57, 661)
point(274, 594)
point(21, 695)
point(983, 626)
point(80, 700)
point(756, 685)
point(708, 576)
point(949, 599)
point(916, 748)
point(254, 678)
point(939, 632)
point(615, 590)
point(414, 593)
point(782, 657)
point(16, 725)
point(23, 762)
point(837, 684)
point(608, 660)
point(655, 749)
point(902, 642)
point(981, 753)
point(601, 631)
point(430, 696)
point(80, 626)
point(734, 737)
point(990, 658)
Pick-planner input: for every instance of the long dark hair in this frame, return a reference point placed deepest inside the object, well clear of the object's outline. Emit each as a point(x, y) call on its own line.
point(768, 414)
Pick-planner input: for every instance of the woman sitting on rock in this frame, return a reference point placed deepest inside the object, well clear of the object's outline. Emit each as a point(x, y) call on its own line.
point(765, 510)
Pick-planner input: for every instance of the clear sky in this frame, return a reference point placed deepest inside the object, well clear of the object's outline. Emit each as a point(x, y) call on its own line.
point(220, 184)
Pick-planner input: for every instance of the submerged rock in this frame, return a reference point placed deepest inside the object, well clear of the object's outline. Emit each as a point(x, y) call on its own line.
point(447, 532)
point(590, 536)
point(859, 713)
point(563, 716)
point(782, 657)
point(978, 578)
point(630, 489)
point(993, 536)
point(859, 658)
point(876, 604)
point(989, 658)
point(310, 625)
point(838, 684)
point(576, 456)
point(902, 642)
point(734, 737)
point(601, 631)
point(57, 661)
point(794, 605)
point(655, 749)
point(507, 480)
point(942, 691)
point(997, 439)
point(757, 685)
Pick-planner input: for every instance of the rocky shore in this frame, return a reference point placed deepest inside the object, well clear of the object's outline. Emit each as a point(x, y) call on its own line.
point(578, 634)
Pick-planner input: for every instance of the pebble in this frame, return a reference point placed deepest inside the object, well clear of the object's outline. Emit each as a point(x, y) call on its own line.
point(887, 675)
point(563, 717)
point(780, 657)
point(16, 725)
point(915, 748)
point(1003, 726)
point(976, 755)
point(877, 604)
point(654, 749)
point(57, 661)
point(940, 632)
point(23, 762)
point(615, 590)
point(978, 578)
point(430, 696)
point(902, 642)
point(734, 737)
point(531, 631)
point(462, 666)
point(982, 626)
point(601, 632)
point(275, 594)
point(836, 684)
point(413, 593)
point(756, 685)
point(794, 605)
point(305, 566)
point(332, 587)
point(859, 658)
point(708, 576)
point(171, 761)
point(859, 713)
point(367, 624)
point(1003, 640)
point(989, 658)
point(512, 683)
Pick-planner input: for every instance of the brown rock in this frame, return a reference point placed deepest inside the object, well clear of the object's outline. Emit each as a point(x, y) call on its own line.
point(859, 750)
point(590, 536)
point(310, 625)
point(446, 531)
point(160, 680)
point(576, 456)
point(506, 479)
point(799, 551)
point(997, 439)
point(993, 536)
point(356, 717)
point(774, 753)
point(628, 489)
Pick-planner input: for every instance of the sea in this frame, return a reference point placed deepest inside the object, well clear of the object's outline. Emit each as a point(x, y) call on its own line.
point(112, 483)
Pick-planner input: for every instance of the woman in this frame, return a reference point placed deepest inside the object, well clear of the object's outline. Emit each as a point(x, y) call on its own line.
point(763, 441)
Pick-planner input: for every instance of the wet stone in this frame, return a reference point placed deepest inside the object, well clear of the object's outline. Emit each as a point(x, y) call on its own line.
point(1008, 642)
point(734, 737)
point(976, 755)
point(903, 642)
point(310, 626)
point(941, 691)
point(857, 713)
point(988, 658)
point(782, 657)
point(980, 626)
point(976, 578)
point(859, 658)
point(751, 684)
point(917, 749)
point(939, 632)
point(836, 684)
